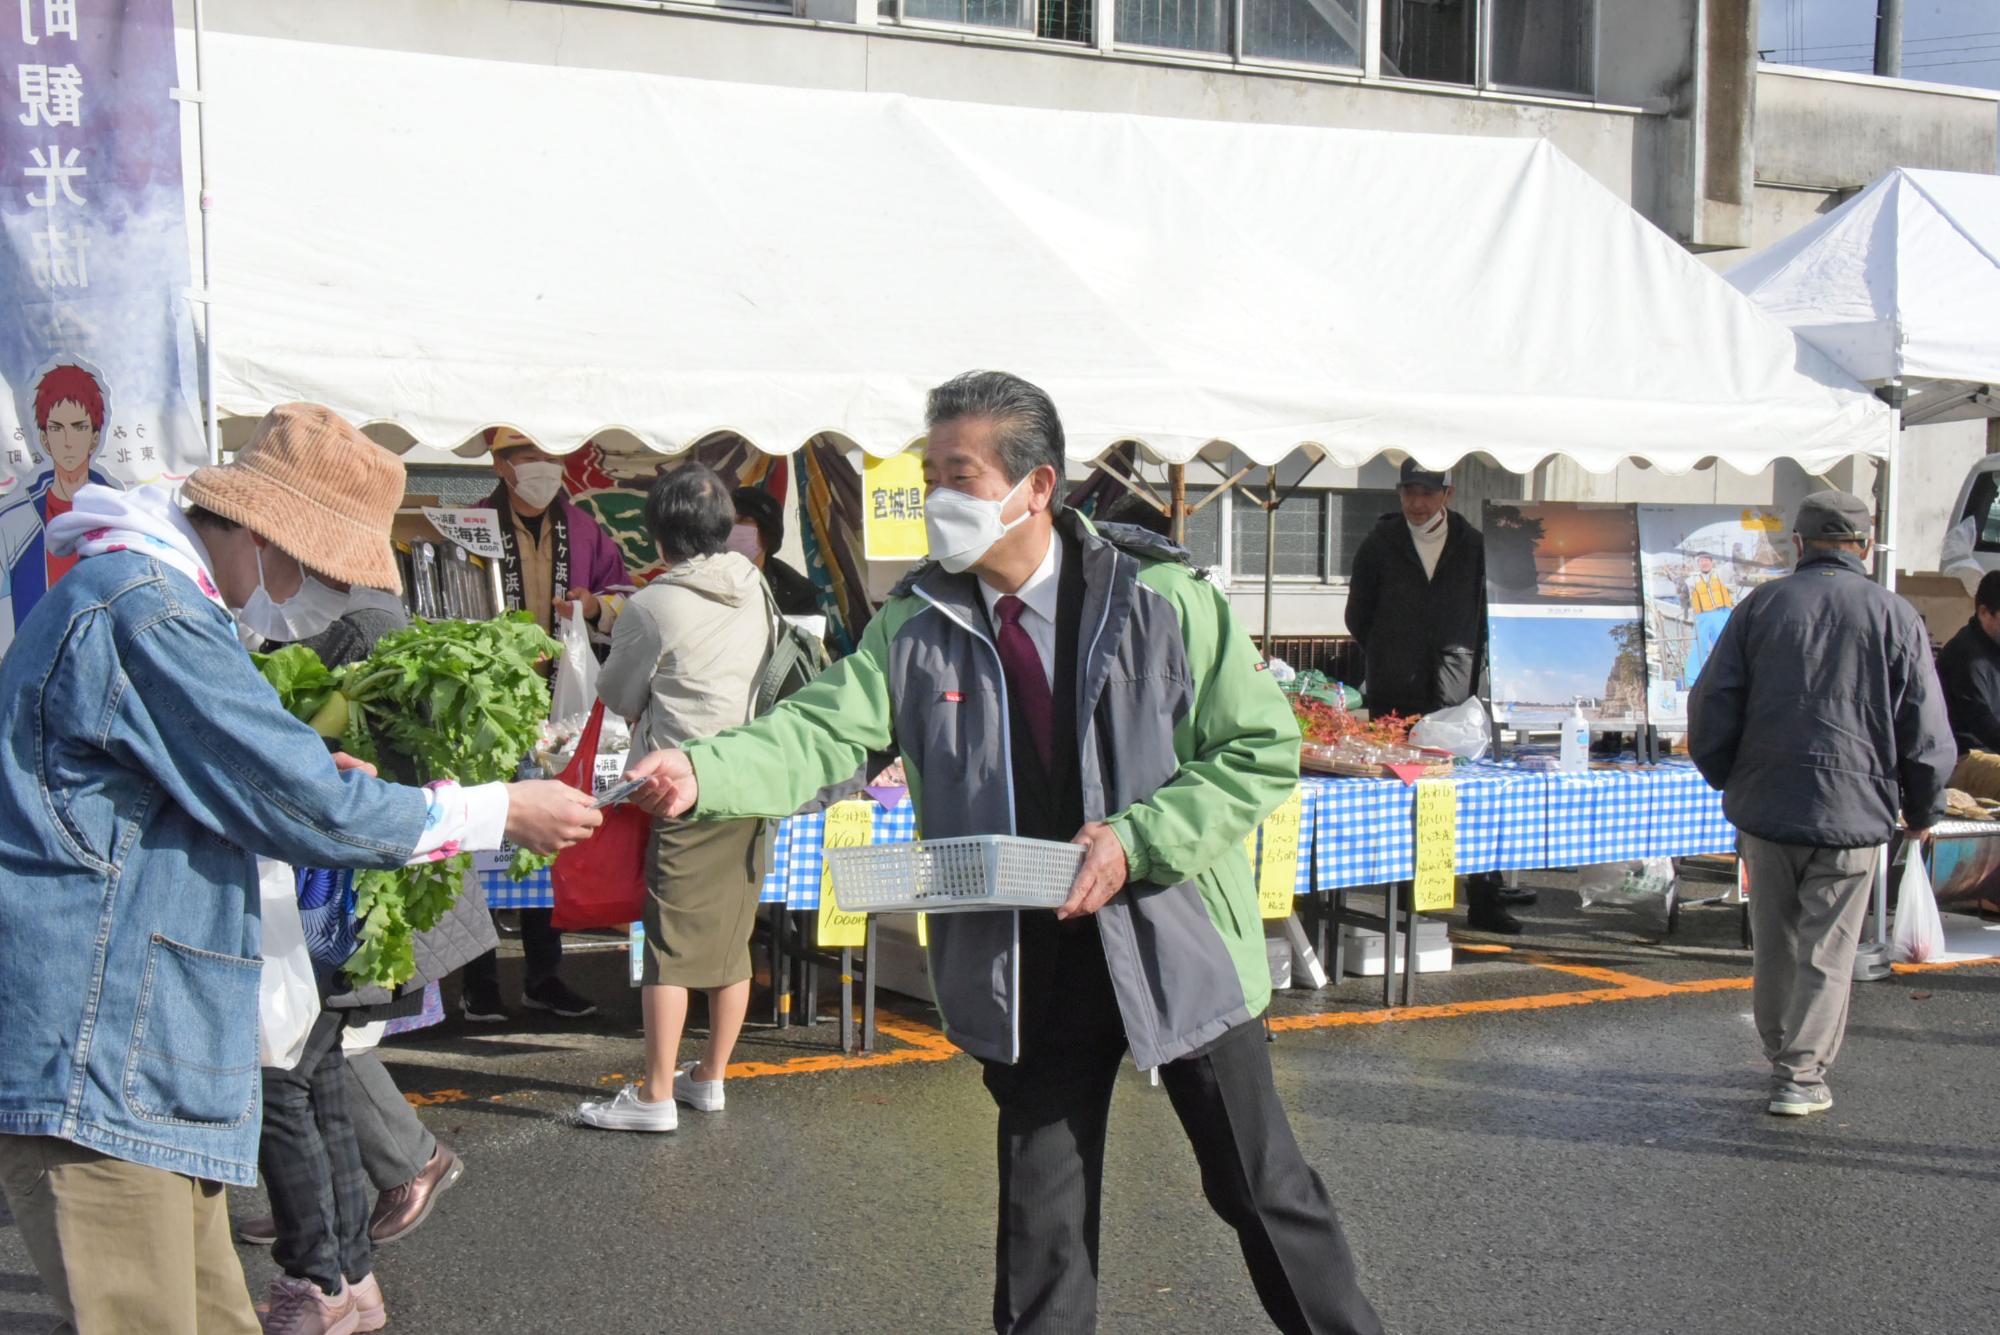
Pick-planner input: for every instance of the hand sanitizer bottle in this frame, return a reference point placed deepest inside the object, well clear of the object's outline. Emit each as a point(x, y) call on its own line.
point(1575, 756)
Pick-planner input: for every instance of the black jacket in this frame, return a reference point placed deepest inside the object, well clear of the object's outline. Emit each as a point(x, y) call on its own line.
point(1818, 713)
point(1969, 670)
point(1425, 639)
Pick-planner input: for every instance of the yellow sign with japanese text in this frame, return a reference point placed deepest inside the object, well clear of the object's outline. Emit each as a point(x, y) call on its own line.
point(1437, 845)
point(1278, 872)
point(892, 508)
point(848, 825)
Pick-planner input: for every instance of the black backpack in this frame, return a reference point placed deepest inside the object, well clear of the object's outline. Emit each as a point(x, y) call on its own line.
point(797, 656)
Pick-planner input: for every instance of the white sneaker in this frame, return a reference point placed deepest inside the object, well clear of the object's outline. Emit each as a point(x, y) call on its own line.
point(628, 1112)
point(700, 1095)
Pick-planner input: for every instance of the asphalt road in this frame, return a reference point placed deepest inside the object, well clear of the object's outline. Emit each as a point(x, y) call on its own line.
point(1564, 1137)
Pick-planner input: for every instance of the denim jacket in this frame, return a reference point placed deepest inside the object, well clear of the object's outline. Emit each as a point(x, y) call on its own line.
point(145, 763)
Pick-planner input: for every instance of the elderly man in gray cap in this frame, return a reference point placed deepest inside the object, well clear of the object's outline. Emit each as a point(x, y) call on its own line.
point(1820, 718)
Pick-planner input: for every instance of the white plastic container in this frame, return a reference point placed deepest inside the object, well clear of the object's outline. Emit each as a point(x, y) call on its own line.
point(988, 871)
point(1361, 949)
point(1575, 756)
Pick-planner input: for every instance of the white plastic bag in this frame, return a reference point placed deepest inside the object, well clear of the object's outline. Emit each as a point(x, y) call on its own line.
point(574, 689)
point(1919, 932)
point(1626, 884)
point(287, 996)
point(1463, 730)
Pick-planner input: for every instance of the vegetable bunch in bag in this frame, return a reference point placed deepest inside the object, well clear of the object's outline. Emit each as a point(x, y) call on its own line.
point(458, 700)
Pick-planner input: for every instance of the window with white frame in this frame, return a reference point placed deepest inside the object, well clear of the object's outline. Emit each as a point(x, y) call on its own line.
point(1311, 32)
point(1318, 532)
point(1544, 46)
point(1056, 20)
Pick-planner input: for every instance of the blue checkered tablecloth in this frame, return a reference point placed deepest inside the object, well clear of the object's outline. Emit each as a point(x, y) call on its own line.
point(1359, 831)
point(1362, 830)
point(1622, 812)
point(1510, 819)
point(791, 877)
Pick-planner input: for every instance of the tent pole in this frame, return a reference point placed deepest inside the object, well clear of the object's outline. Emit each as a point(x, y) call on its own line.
point(1177, 514)
point(1894, 394)
point(211, 436)
point(1270, 545)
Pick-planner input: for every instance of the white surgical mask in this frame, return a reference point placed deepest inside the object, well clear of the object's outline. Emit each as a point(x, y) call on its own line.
point(745, 539)
point(536, 483)
point(300, 617)
point(963, 528)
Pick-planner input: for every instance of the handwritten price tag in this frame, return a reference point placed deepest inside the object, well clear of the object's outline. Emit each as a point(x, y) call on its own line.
point(1437, 845)
point(848, 825)
point(1278, 873)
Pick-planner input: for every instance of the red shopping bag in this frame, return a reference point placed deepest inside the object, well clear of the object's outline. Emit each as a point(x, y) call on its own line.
point(601, 882)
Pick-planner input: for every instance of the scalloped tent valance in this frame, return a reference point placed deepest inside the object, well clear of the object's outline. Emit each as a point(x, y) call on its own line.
point(575, 252)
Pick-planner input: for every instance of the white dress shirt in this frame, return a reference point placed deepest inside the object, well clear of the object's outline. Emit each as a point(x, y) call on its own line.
point(1040, 593)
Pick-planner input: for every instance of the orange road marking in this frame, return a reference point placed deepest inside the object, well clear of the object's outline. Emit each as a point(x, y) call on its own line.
point(922, 1043)
point(1942, 964)
point(1631, 983)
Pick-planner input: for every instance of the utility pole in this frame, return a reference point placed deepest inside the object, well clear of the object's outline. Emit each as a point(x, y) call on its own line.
point(1889, 38)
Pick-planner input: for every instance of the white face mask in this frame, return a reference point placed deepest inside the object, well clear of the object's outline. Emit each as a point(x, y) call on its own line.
point(963, 528)
point(300, 617)
point(536, 483)
point(745, 539)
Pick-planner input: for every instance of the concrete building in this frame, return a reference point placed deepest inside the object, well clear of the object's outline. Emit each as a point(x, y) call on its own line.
point(1663, 101)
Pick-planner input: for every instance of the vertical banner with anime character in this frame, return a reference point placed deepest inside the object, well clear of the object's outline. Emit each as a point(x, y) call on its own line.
point(1699, 561)
point(97, 351)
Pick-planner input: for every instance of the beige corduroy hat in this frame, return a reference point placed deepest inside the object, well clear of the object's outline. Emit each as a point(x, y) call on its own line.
point(317, 489)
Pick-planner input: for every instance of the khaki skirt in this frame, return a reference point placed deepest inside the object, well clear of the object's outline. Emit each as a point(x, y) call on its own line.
point(702, 881)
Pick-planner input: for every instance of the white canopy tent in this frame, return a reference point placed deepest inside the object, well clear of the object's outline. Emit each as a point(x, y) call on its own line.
point(445, 244)
point(1901, 284)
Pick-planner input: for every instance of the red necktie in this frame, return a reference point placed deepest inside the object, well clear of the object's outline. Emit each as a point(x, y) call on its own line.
point(1026, 679)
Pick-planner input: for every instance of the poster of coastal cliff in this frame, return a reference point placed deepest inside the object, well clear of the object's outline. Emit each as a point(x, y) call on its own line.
point(1564, 614)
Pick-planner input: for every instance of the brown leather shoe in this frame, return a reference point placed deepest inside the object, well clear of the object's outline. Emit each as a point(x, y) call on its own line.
point(400, 1209)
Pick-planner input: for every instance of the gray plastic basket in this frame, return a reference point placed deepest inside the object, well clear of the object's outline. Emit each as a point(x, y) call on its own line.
point(989, 871)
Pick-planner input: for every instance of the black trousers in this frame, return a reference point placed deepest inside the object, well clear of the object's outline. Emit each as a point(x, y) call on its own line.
point(541, 949)
point(311, 1165)
point(1054, 1107)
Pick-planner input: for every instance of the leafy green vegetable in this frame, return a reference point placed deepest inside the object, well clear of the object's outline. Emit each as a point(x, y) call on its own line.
point(461, 700)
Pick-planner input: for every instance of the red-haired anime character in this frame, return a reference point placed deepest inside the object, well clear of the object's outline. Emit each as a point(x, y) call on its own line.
point(69, 417)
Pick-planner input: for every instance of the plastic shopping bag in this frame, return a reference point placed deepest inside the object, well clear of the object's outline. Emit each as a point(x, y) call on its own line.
point(1919, 930)
point(1627, 885)
point(574, 689)
point(601, 882)
point(1463, 730)
point(288, 998)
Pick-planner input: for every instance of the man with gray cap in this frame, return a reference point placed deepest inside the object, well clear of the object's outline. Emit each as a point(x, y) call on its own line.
point(1820, 718)
point(1416, 600)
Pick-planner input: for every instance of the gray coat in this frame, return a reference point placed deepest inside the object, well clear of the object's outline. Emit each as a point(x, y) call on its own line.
point(1819, 714)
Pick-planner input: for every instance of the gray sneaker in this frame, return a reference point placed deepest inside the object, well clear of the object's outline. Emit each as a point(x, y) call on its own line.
point(1800, 1100)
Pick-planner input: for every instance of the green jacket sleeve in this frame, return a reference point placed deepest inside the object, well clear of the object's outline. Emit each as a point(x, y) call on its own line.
point(815, 738)
point(1239, 746)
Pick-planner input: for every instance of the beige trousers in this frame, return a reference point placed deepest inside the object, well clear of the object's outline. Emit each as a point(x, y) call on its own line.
point(122, 1247)
point(1806, 909)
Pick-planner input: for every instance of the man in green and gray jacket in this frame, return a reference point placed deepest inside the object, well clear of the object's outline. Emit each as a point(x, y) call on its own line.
point(1045, 678)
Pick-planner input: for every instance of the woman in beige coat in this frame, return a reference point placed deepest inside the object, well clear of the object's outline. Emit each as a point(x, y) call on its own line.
point(687, 655)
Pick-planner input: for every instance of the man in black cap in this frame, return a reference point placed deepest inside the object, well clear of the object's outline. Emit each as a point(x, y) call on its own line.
point(1819, 717)
point(1416, 601)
